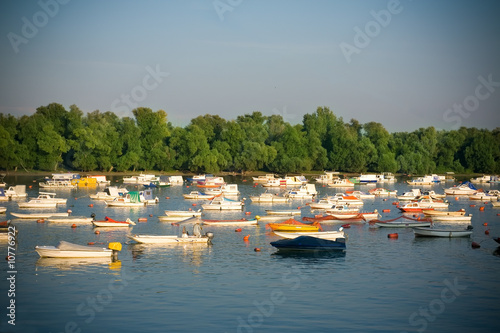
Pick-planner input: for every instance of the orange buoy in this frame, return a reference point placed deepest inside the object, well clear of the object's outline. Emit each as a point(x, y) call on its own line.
point(475, 245)
point(487, 232)
point(97, 232)
point(76, 198)
point(30, 186)
point(498, 214)
point(187, 186)
point(481, 208)
point(167, 198)
point(456, 198)
point(91, 205)
point(386, 210)
point(345, 226)
point(472, 205)
point(73, 226)
point(395, 203)
point(40, 221)
point(244, 180)
point(193, 204)
point(142, 219)
point(90, 243)
point(237, 230)
point(257, 249)
point(246, 238)
point(394, 235)
point(248, 213)
point(485, 224)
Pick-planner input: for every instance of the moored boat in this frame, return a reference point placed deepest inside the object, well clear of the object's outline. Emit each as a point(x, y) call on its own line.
point(70, 219)
point(69, 250)
point(269, 198)
point(310, 243)
point(293, 225)
point(463, 189)
point(446, 233)
point(37, 216)
point(35, 203)
point(109, 222)
point(332, 235)
point(185, 238)
point(221, 203)
point(242, 221)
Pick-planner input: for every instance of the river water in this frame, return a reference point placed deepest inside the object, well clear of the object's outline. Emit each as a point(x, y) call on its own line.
point(379, 284)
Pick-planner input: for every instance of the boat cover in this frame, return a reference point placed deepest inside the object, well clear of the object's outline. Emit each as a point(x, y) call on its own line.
point(134, 196)
point(66, 246)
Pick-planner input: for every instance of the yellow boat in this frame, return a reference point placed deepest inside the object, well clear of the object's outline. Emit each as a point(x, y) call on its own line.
point(294, 225)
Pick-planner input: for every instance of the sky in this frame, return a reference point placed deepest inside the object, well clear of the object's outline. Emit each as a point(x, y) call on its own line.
point(405, 64)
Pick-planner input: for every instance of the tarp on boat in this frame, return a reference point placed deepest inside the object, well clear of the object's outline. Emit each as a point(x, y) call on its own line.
point(67, 246)
point(134, 196)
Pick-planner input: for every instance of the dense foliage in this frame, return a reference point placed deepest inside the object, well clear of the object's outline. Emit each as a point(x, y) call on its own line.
point(54, 138)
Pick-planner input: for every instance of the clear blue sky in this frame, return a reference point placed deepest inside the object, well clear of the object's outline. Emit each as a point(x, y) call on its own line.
point(278, 57)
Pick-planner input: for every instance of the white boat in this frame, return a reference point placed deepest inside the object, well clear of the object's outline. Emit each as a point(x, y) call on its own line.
point(428, 202)
point(70, 219)
point(410, 195)
point(386, 177)
point(484, 179)
point(196, 237)
point(341, 183)
point(143, 179)
point(495, 203)
point(133, 199)
point(3, 210)
point(221, 203)
point(327, 177)
point(211, 181)
point(37, 216)
point(286, 181)
point(323, 204)
point(16, 192)
point(369, 178)
point(183, 213)
point(452, 218)
point(491, 195)
point(403, 224)
point(463, 189)
point(431, 232)
point(226, 189)
point(166, 218)
point(433, 194)
point(342, 209)
point(361, 195)
point(109, 193)
point(306, 191)
point(51, 197)
point(69, 250)
point(197, 196)
point(460, 212)
point(264, 179)
point(332, 235)
point(35, 203)
point(108, 222)
point(344, 199)
point(426, 180)
point(269, 198)
point(61, 184)
point(176, 180)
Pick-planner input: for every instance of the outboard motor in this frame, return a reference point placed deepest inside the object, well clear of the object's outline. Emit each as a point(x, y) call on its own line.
point(210, 236)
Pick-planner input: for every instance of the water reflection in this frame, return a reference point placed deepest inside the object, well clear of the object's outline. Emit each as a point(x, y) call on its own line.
point(78, 263)
point(309, 254)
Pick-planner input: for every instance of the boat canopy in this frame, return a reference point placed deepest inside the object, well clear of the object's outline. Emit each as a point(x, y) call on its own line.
point(134, 196)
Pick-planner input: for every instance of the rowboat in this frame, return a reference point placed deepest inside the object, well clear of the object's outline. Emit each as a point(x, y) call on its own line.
point(183, 213)
point(35, 203)
point(402, 224)
point(332, 235)
point(269, 197)
point(70, 219)
point(283, 212)
point(452, 218)
point(310, 243)
point(230, 222)
point(293, 225)
point(36, 216)
point(430, 232)
point(109, 222)
point(69, 250)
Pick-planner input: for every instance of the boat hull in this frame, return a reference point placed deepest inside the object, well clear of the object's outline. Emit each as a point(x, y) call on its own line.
point(230, 222)
point(54, 252)
point(427, 232)
point(331, 235)
point(150, 239)
point(310, 243)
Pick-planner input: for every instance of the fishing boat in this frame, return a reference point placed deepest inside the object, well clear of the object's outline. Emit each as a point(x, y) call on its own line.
point(39, 216)
point(310, 243)
point(466, 188)
point(221, 203)
point(70, 250)
point(109, 222)
point(332, 235)
point(185, 238)
point(197, 195)
point(70, 219)
point(269, 198)
point(446, 233)
point(293, 225)
point(35, 203)
point(242, 221)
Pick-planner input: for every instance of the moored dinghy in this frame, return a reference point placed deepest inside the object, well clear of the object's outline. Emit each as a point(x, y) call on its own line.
point(109, 222)
point(445, 233)
point(70, 250)
point(185, 238)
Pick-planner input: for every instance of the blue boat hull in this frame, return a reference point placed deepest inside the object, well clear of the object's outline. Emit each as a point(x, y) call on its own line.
point(310, 243)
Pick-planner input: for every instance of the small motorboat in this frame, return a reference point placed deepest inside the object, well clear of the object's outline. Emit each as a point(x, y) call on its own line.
point(293, 225)
point(269, 198)
point(70, 219)
point(183, 213)
point(38, 216)
point(452, 218)
point(37, 203)
point(432, 212)
point(403, 224)
point(197, 195)
point(185, 238)
point(109, 222)
point(331, 235)
point(221, 203)
point(310, 243)
point(283, 212)
point(70, 250)
point(446, 233)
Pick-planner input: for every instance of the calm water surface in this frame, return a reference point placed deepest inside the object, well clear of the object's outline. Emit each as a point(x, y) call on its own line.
point(378, 285)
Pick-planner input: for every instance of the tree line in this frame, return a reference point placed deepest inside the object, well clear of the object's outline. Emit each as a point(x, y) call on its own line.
point(54, 138)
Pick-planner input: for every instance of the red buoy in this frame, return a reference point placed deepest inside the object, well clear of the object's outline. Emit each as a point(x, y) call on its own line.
point(485, 223)
point(97, 232)
point(257, 249)
point(487, 232)
point(386, 210)
point(246, 238)
point(475, 245)
point(142, 219)
point(481, 208)
point(91, 205)
point(394, 235)
point(237, 230)
point(73, 226)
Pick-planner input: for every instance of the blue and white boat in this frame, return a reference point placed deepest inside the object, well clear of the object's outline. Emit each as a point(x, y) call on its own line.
point(310, 243)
